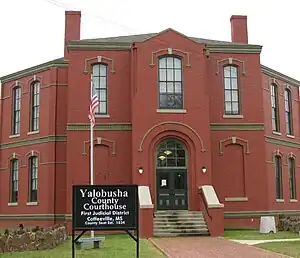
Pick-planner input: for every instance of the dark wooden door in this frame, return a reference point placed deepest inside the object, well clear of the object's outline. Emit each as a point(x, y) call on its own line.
point(171, 185)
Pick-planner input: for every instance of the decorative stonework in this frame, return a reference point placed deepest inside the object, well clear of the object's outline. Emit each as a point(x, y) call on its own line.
point(171, 123)
point(35, 78)
point(234, 140)
point(170, 51)
point(101, 141)
point(99, 59)
point(230, 61)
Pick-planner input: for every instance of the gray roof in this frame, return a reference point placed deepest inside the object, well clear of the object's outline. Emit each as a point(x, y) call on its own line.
point(143, 37)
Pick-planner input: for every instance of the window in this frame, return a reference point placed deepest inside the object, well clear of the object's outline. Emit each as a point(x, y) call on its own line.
point(99, 86)
point(231, 91)
point(278, 171)
point(16, 106)
point(292, 178)
point(14, 179)
point(288, 111)
point(274, 104)
point(170, 83)
point(35, 106)
point(33, 179)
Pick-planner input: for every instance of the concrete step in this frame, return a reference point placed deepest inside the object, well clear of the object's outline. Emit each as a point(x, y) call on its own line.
point(199, 228)
point(180, 234)
point(179, 223)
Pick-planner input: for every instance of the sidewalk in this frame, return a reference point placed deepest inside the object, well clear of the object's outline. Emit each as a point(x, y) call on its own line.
point(255, 242)
point(209, 247)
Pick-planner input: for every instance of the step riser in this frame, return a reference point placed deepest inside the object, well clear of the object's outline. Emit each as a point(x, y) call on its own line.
point(182, 223)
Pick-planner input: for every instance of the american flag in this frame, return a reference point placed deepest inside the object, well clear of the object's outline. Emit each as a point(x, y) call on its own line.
point(93, 106)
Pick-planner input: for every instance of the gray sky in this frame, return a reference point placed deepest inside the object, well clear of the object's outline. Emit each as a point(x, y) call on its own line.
point(32, 31)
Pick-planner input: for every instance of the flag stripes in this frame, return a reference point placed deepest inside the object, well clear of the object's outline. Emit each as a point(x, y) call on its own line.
point(93, 106)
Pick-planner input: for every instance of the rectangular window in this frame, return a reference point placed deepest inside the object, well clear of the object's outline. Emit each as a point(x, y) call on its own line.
point(35, 106)
point(278, 171)
point(170, 86)
point(99, 86)
point(292, 178)
point(231, 90)
point(16, 111)
point(274, 104)
point(14, 180)
point(288, 111)
point(33, 179)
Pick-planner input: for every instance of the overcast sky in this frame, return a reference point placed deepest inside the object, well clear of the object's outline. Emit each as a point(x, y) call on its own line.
point(32, 31)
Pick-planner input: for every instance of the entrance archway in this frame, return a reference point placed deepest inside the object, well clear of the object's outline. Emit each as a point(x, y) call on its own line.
point(171, 175)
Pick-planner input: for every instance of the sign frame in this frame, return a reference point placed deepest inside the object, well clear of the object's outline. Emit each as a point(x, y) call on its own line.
point(104, 228)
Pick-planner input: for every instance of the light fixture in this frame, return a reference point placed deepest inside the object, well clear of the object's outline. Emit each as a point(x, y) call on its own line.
point(162, 157)
point(203, 169)
point(167, 152)
point(140, 170)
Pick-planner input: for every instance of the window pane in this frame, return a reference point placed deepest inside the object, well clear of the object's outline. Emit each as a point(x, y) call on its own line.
point(96, 70)
point(227, 95)
point(227, 83)
point(235, 107)
point(234, 83)
point(169, 62)
point(102, 96)
point(102, 82)
point(96, 82)
point(234, 96)
point(170, 75)
point(177, 75)
point(163, 100)
point(162, 74)
point(162, 63)
point(227, 71)
point(178, 103)
point(102, 107)
point(103, 69)
point(228, 106)
point(170, 87)
point(162, 87)
point(177, 87)
point(177, 63)
point(233, 72)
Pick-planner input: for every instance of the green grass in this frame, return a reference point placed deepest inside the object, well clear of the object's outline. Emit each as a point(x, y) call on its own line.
point(291, 248)
point(115, 246)
point(250, 234)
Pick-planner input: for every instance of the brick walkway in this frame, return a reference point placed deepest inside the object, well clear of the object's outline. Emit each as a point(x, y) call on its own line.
point(209, 247)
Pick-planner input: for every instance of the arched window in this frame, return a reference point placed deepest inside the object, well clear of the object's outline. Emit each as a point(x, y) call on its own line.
point(33, 179)
point(278, 175)
point(35, 106)
point(16, 110)
point(274, 104)
point(170, 83)
point(292, 178)
point(14, 180)
point(231, 90)
point(288, 111)
point(171, 153)
point(99, 86)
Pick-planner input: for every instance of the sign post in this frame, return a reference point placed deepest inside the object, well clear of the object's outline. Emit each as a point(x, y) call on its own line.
point(105, 207)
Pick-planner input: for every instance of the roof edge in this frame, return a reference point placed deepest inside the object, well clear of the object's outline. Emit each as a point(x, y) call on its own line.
point(280, 76)
point(59, 62)
point(234, 48)
point(94, 45)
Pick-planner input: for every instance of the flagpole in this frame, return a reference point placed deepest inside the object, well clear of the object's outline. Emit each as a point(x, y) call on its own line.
point(92, 152)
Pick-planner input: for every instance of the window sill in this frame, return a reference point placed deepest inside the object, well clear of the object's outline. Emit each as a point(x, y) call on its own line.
point(33, 132)
point(12, 204)
point(236, 199)
point(293, 200)
point(233, 116)
point(291, 136)
point(170, 111)
point(276, 133)
point(14, 136)
point(102, 116)
point(279, 200)
point(31, 203)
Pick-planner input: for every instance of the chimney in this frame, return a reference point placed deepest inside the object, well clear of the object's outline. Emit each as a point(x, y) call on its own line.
point(72, 27)
point(239, 31)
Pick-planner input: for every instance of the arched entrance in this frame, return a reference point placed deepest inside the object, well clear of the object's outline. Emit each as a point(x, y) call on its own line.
point(171, 175)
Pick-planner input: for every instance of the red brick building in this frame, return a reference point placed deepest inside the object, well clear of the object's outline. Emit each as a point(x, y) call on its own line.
point(184, 111)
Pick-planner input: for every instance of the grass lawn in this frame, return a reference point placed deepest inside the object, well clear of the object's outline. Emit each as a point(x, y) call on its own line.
point(291, 249)
point(250, 234)
point(115, 246)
